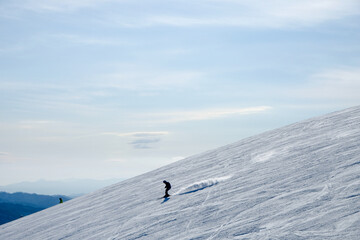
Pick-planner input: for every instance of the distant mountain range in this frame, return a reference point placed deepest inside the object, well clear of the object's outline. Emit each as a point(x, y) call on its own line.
point(69, 187)
point(16, 205)
point(10, 211)
point(21, 199)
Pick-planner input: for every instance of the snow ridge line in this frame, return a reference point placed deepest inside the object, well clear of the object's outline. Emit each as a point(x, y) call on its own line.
point(197, 186)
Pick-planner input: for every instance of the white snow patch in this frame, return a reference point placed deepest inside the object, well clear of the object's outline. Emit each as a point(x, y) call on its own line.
point(201, 185)
point(344, 134)
point(263, 157)
point(347, 221)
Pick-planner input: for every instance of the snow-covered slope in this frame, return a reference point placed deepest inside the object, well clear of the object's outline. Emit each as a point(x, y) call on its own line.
point(298, 182)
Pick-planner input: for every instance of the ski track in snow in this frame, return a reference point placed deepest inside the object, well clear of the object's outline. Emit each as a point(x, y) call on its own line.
point(299, 182)
point(201, 185)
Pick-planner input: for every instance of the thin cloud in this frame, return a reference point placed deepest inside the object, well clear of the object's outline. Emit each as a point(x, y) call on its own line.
point(245, 13)
point(138, 134)
point(6, 157)
point(87, 40)
point(201, 115)
point(241, 13)
point(11, 49)
point(141, 140)
point(343, 84)
point(131, 78)
point(144, 143)
point(59, 5)
point(150, 80)
point(38, 124)
point(117, 160)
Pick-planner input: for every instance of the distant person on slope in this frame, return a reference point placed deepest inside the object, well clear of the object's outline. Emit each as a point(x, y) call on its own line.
point(60, 200)
point(167, 188)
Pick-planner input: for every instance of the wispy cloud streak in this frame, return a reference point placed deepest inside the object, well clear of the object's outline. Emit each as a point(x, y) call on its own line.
point(141, 140)
point(144, 143)
point(342, 83)
point(139, 79)
point(138, 134)
point(182, 116)
point(246, 13)
point(87, 40)
point(242, 13)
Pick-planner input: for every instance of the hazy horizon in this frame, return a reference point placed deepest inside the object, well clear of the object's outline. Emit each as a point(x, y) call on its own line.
point(69, 187)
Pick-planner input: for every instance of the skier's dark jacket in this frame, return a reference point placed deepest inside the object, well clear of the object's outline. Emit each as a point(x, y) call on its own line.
point(167, 185)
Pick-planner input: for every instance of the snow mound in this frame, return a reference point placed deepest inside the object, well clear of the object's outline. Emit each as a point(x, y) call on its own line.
point(201, 185)
point(300, 181)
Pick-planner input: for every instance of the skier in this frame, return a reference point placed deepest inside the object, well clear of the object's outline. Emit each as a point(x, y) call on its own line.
point(167, 188)
point(60, 200)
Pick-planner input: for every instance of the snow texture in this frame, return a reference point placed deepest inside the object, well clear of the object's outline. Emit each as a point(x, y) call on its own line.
point(301, 181)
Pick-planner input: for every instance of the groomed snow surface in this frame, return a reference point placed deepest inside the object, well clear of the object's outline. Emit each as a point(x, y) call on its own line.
point(301, 181)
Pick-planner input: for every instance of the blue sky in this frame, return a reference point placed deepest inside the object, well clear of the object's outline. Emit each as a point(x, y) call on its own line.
point(103, 89)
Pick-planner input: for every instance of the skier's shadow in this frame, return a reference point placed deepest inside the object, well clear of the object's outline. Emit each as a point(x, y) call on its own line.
point(195, 190)
point(165, 200)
